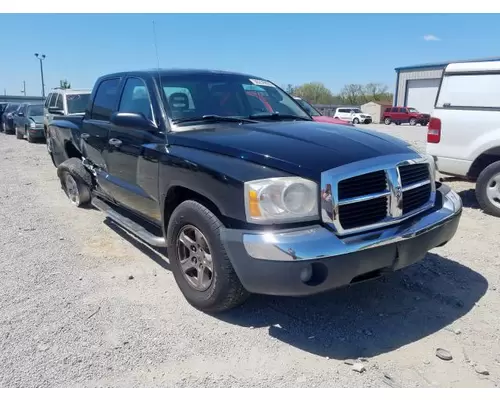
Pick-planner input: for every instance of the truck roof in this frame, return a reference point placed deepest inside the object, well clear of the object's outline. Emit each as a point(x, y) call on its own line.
point(177, 72)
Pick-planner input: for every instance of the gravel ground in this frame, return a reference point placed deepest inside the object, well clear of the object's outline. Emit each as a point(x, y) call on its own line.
point(83, 304)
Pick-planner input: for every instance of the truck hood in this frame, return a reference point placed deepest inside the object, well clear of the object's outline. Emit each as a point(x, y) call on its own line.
point(300, 148)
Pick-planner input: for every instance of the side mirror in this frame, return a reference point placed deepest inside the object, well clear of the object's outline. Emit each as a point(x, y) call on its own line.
point(134, 121)
point(55, 110)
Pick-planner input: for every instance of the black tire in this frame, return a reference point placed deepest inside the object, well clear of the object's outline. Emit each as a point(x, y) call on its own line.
point(355, 121)
point(482, 184)
point(225, 291)
point(19, 135)
point(74, 169)
point(29, 137)
point(413, 121)
point(387, 121)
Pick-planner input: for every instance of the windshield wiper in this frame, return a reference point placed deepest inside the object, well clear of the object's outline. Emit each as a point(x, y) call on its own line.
point(278, 117)
point(214, 118)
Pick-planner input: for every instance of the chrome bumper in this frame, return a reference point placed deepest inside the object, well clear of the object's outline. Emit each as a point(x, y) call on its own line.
point(317, 242)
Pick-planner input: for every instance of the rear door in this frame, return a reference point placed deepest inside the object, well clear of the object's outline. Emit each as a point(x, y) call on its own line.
point(95, 128)
point(133, 177)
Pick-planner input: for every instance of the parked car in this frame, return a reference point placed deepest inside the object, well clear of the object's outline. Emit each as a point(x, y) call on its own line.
point(8, 117)
point(28, 122)
point(405, 115)
point(65, 102)
point(243, 201)
point(317, 116)
point(2, 108)
point(464, 130)
point(352, 114)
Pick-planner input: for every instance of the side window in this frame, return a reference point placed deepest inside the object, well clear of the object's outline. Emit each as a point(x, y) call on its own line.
point(53, 99)
point(47, 100)
point(105, 99)
point(402, 110)
point(387, 110)
point(59, 102)
point(394, 109)
point(135, 98)
point(22, 109)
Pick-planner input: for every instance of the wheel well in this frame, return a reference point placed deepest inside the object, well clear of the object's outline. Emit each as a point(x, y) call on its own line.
point(178, 194)
point(71, 150)
point(480, 163)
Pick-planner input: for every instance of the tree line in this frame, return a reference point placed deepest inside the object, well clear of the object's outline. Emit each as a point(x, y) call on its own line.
point(352, 94)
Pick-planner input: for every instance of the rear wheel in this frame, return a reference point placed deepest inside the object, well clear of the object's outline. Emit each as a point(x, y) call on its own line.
point(200, 264)
point(387, 121)
point(76, 181)
point(488, 189)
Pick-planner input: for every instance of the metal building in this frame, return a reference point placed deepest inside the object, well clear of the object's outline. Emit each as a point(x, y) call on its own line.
point(417, 85)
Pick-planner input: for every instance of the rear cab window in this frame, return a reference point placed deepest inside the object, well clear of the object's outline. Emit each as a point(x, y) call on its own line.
point(76, 103)
point(105, 99)
point(469, 90)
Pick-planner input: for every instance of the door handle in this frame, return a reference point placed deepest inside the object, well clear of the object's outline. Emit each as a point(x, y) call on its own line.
point(84, 136)
point(115, 142)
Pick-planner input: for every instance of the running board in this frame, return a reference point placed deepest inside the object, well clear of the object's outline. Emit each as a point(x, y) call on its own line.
point(128, 224)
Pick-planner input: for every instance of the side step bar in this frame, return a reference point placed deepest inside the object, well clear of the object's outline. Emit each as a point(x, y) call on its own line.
point(128, 224)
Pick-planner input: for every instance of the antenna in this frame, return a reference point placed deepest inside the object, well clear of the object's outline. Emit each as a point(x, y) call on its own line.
point(156, 47)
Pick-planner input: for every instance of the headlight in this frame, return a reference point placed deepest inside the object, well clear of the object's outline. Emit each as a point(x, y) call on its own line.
point(277, 200)
point(32, 125)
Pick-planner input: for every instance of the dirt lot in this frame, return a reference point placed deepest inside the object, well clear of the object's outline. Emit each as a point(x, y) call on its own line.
point(83, 304)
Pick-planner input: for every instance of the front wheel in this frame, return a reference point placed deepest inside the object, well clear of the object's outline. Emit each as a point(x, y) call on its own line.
point(413, 121)
point(488, 189)
point(200, 264)
point(387, 121)
point(19, 134)
point(76, 181)
point(355, 121)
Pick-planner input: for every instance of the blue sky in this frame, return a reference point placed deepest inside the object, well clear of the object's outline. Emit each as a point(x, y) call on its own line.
point(335, 49)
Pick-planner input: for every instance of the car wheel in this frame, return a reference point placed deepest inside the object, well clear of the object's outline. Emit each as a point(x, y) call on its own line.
point(18, 132)
point(2, 127)
point(413, 121)
point(76, 181)
point(488, 189)
point(200, 264)
point(355, 121)
point(28, 136)
point(387, 121)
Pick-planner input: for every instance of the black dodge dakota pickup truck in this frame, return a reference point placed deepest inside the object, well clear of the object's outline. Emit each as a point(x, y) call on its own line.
point(245, 199)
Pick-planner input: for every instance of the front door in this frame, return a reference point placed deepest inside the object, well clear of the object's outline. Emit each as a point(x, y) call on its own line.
point(134, 176)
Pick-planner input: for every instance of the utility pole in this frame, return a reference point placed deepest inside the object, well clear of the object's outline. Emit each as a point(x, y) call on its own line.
point(24, 88)
point(41, 57)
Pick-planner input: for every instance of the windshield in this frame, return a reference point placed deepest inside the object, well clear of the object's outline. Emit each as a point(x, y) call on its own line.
point(412, 110)
point(77, 103)
point(194, 95)
point(11, 107)
point(36, 110)
point(309, 108)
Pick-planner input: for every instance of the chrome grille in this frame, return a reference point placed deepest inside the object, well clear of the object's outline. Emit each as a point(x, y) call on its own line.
point(362, 185)
point(415, 198)
point(363, 213)
point(369, 194)
point(413, 173)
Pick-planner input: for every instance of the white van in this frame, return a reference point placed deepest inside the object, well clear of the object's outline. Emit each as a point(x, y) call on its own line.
point(464, 129)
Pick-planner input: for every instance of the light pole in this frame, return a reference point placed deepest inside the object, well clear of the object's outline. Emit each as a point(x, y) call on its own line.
point(41, 57)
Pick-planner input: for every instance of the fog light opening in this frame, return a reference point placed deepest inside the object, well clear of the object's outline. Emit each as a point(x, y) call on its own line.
point(314, 274)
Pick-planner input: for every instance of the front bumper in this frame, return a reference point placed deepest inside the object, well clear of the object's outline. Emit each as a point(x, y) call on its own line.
point(311, 260)
point(36, 132)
